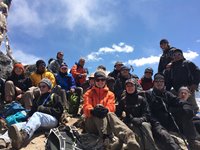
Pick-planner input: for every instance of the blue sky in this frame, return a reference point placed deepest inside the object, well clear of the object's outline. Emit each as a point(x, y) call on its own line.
point(103, 31)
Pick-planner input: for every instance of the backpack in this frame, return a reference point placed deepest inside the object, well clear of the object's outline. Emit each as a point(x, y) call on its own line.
point(63, 138)
point(11, 109)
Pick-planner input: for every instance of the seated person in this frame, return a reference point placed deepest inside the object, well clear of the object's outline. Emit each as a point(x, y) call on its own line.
point(184, 94)
point(137, 115)
point(45, 113)
point(99, 108)
point(67, 82)
point(16, 84)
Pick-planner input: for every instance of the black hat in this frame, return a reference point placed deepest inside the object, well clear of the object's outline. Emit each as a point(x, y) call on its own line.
point(158, 76)
point(99, 74)
point(164, 41)
point(133, 81)
point(63, 65)
point(40, 62)
point(118, 63)
point(149, 69)
point(125, 68)
point(177, 50)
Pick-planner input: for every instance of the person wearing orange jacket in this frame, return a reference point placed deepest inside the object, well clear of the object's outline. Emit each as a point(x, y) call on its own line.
point(79, 72)
point(100, 119)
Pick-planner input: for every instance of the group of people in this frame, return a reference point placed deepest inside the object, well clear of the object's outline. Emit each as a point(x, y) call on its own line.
point(125, 111)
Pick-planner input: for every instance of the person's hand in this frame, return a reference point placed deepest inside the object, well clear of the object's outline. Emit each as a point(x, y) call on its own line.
point(41, 108)
point(72, 90)
point(136, 121)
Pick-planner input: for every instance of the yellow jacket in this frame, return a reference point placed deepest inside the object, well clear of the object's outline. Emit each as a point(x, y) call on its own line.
point(36, 78)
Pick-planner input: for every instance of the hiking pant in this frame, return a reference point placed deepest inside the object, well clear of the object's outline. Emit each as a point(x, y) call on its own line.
point(144, 136)
point(108, 125)
point(29, 96)
point(38, 120)
point(164, 139)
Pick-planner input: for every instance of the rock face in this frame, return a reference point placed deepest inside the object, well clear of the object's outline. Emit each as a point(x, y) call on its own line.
point(6, 65)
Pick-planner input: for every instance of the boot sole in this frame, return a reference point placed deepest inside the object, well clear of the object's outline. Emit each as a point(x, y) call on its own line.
point(14, 134)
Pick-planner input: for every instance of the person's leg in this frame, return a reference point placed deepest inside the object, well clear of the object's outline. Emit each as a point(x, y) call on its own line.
point(9, 91)
point(122, 131)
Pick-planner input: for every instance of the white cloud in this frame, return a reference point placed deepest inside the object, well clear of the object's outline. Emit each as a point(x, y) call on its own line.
point(25, 58)
point(143, 61)
point(198, 41)
point(120, 48)
point(189, 55)
point(33, 17)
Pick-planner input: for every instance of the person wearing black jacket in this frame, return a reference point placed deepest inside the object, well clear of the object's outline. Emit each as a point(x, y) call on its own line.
point(183, 73)
point(137, 115)
point(179, 121)
point(166, 58)
point(17, 83)
point(45, 113)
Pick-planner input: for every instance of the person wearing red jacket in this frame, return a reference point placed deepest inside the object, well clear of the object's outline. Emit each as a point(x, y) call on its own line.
point(100, 119)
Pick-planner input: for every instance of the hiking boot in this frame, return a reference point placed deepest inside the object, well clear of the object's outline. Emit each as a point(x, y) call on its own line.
point(130, 141)
point(194, 144)
point(2, 144)
point(17, 137)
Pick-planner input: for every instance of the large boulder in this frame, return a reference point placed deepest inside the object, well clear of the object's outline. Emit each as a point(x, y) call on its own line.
point(6, 65)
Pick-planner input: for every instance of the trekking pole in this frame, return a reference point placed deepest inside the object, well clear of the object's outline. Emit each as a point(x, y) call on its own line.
point(175, 124)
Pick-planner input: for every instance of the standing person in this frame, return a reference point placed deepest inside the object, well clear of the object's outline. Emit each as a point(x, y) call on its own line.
point(99, 108)
point(161, 101)
point(16, 84)
point(183, 73)
point(54, 65)
point(137, 115)
point(45, 113)
point(166, 58)
point(117, 67)
point(146, 81)
point(79, 72)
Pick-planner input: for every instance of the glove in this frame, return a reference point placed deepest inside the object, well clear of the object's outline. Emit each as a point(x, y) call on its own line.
point(99, 111)
point(136, 121)
point(41, 108)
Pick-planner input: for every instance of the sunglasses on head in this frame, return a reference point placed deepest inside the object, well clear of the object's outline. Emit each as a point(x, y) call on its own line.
point(97, 80)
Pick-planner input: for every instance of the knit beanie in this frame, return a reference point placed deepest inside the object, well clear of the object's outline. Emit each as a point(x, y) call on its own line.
point(18, 65)
point(47, 82)
point(159, 76)
point(99, 74)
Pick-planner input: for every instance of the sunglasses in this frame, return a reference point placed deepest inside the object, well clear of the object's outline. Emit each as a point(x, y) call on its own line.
point(148, 72)
point(42, 86)
point(97, 80)
point(177, 54)
point(159, 81)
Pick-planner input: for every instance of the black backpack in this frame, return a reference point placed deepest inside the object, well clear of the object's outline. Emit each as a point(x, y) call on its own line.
point(63, 138)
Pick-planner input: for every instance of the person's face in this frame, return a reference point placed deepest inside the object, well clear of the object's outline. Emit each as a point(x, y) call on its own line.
point(148, 74)
point(159, 84)
point(63, 69)
point(125, 72)
point(130, 88)
point(177, 56)
point(100, 82)
point(41, 67)
point(91, 81)
point(82, 62)
point(164, 46)
point(60, 55)
point(184, 95)
point(118, 67)
point(43, 88)
point(18, 71)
